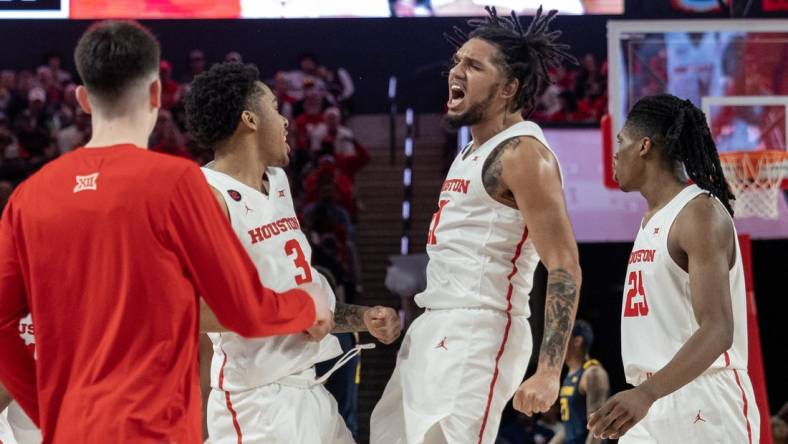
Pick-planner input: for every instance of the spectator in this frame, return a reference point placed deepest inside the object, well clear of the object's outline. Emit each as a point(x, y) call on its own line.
point(63, 115)
point(196, 65)
point(170, 89)
point(46, 81)
point(342, 191)
point(37, 108)
point(331, 132)
point(233, 57)
point(76, 134)
point(24, 82)
point(306, 75)
point(7, 87)
point(167, 138)
point(339, 87)
point(54, 62)
point(34, 140)
point(312, 114)
point(283, 97)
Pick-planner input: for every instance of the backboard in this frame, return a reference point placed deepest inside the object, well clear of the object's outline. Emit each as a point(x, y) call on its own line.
point(734, 70)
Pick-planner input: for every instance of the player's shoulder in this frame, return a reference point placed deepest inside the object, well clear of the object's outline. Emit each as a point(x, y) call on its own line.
point(703, 217)
point(593, 369)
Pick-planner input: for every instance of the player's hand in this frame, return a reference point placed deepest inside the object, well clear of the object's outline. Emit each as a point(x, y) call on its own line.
point(619, 414)
point(383, 323)
point(538, 393)
point(324, 318)
point(324, 323)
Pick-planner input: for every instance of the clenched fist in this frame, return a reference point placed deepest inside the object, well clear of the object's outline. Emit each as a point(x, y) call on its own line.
point(383, 323)
point(537, 394)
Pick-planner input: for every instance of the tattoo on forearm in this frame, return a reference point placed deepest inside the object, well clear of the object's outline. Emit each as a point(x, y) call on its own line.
point(559, 313)
point(349, 318)
point(491, 173)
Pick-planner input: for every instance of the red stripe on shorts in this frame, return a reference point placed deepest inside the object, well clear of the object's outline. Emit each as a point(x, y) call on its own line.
point(745, 407)
point(505, 332)
point(727, 359)
point(228, 402)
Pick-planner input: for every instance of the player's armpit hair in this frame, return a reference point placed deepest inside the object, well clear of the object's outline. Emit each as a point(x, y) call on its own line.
point(560, 305)
point(525, 54)
point(349, 318)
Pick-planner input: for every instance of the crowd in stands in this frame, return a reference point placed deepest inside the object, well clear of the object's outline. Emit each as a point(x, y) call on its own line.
point(578, 94)
point(41, 120)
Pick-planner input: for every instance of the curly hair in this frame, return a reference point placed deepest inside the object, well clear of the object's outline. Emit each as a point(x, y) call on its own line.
point(217, 99)
point(524, 54)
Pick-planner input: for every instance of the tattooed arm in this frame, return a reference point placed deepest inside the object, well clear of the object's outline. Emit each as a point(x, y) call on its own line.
point(349, 318)
point(381, 322)
point(524, 174)
point(595, 385)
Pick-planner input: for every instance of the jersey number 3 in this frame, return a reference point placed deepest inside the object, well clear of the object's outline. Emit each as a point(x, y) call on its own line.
point(636, 303)
point(292, 246)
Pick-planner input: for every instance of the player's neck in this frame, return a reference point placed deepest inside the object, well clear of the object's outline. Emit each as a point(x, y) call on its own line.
point(575, 362)
point(488, 128)
point(133, 129)
point(660, 189)
point(242, 164)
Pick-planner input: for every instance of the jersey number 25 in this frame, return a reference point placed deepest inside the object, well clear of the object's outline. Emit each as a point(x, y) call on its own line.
point(636, 303)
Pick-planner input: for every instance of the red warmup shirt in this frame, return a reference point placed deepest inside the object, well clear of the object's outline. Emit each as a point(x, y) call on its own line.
point(109, 249)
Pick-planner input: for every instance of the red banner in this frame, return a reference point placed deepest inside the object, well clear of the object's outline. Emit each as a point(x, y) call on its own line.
point(150, 9)
point(775, 5)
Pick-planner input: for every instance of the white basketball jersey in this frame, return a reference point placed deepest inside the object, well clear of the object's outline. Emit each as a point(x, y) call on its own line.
point(479, 250)
point(657, 317)
point(15, 425)
point(270, 232)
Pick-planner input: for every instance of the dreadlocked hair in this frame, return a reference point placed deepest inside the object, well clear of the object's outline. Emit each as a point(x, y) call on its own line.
point(525, 54)
point(681, 130)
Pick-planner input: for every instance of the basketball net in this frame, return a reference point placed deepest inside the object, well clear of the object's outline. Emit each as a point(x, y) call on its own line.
point(755, 178)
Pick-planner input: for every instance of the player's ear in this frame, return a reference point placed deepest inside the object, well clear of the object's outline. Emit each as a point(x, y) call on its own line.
point(155, 94)
point(82, 99)
point(510, 89)
point(249, 119)
point(646, 146)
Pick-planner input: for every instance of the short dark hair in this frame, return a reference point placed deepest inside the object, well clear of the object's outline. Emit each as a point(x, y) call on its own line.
point(680, 130)
point(217, 99)
point(112, 55)
point(584, 330)
point(525, 54)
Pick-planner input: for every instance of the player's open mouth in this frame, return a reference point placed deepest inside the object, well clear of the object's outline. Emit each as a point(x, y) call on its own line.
point(456, 95)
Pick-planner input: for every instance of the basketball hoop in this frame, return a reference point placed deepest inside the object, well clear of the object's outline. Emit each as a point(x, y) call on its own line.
point(755, 178)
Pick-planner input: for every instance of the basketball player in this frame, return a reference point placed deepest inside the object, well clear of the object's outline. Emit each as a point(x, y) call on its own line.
point(264, 390)
point(684, 325)
point(15, 426)
point(501, 209)
point(584, 390)
point(107, 247)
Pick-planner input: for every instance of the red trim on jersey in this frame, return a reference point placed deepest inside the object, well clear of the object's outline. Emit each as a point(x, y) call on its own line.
point(229, 402)
point(745, 408)
point(505, 332)
point(727, 359)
